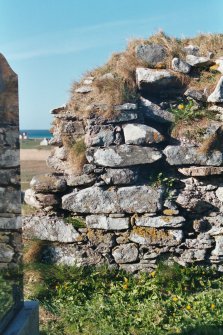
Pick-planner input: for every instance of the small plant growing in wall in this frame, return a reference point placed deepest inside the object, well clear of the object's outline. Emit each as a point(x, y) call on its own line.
point(76, 221)
point(160, 180)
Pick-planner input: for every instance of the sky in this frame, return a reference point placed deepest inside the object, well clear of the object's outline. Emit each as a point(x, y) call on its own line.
point(51, 43)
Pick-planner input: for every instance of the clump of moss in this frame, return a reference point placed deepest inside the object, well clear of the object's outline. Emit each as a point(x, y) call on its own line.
point(76, 221)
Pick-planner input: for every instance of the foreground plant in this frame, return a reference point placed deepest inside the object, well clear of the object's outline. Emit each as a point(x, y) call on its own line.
point(170, 300)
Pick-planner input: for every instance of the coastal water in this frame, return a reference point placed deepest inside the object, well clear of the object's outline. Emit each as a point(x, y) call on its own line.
point(36, 133)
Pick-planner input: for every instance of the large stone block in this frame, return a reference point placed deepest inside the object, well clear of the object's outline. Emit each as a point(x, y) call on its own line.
point(9, 158)
point(123, 155)
point(140, 134)
point(96, 200)
point(10, 199)
point(152, 54)
point(160, 221)
point(49, 229)
point(126, 253)
point(190, 155)
point(48, 183)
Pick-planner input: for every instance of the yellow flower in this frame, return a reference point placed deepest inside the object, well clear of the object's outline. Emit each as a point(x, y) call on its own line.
point(180, 106)
point(153, 274)
point(126, 280)
point(188, 307)
point(212, 306)
point(125, 286)
point(175, 299)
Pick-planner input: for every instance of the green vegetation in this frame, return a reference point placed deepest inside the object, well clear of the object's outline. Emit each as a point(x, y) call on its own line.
point(162, 180)
point(99, 301)
point(76, 221)
point(6, 296)
point(187, 112)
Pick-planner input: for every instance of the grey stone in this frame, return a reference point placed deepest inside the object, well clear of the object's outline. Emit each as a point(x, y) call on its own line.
point(6, 253)
point(219, 62)
point(217, 253)
point(219, 193)
point(179, 65)
point(192, 50)
point(198, 95)
point(123, 155)
point(125, 253)
point(136, 267)
point(9, 176)
point(107, 223)
point(188, 155)
point(159, 237)
point(39, 200)
point(81, 180)
point(151, 53)
point(100, 136)
point(160, 221)
point(217, 95)
point(10, 200)
point(14, 223)
point(126, 107)
point(203, 241)
point(200, 171)
point(72, 127)
point(151, 78)
point(140, 134)
point(125, 176)
point(48, 183)
point(57, 159)
point(49, 229)
point(153, 112)
point(191, 256)
point(126, 199)
point(140, 199)
point(9, 158)
point(84, 89)
point(74, 255)
point(198, 61)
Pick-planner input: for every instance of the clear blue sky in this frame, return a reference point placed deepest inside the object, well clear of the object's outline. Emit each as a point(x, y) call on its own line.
point(50, 43)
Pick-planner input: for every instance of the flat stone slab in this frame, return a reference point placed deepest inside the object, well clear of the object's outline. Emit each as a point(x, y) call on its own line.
point(40, 200)
point(160, 221)
point(131, 199)
point(217, 95)
point(124, 176)
point(154, 112)
point(49, 229)
point(122, 155)
point(187, 155)
point(198, 61)
point(200, 171)
point(153, 236)
point(82, 180)
point(107, 223)
point(140, 134)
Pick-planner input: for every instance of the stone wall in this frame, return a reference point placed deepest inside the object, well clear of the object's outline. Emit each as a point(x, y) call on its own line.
point(10, 199)
point(143, 194)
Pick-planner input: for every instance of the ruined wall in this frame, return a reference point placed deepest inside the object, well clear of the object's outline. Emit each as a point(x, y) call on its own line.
point(10, 200)
point(143, 194)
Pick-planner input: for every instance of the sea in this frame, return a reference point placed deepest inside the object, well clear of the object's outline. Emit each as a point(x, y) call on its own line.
point(36, 133)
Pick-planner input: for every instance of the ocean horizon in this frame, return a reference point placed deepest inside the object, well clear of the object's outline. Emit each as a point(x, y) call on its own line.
point(37, 133)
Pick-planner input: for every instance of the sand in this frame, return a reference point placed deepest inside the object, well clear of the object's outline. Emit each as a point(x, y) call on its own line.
point(33, 155)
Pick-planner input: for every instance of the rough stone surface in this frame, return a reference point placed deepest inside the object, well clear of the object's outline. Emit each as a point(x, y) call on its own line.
point(39, 200)
point(198, 95)
point(140, 134)
point(192, 50)
point(154, 112)
point(82, 180)
point(198, 61)
point(123, 155)
point(107, 223)
point(151, 53)
point(126, 253)
point(159, 237)
point(179, 65)
point(219, 193)
point(50, 229)
point(160, 221)
point(217, 95)
point(48, 183)
point(158, 78)
point(187, 155)
point(125, 176)
point(127, 199)
point(219, 62)
point(100, 136)
point(201, 171)
point(83, 89)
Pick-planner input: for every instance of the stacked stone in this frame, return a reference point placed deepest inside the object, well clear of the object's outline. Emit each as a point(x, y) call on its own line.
point(10, 198)
point(129, 223)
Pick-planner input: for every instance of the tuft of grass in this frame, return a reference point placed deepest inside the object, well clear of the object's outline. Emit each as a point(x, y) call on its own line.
point(76, 155)
point(76, 221)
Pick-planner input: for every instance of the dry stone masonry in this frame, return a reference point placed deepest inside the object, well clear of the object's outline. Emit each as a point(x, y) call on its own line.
point(150, 188)
point(10, 197)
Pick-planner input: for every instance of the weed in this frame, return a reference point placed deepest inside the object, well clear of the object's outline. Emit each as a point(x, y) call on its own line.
point(160, 180)
point(76, 221)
